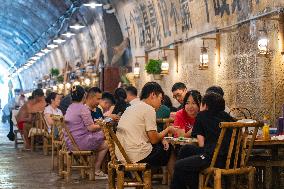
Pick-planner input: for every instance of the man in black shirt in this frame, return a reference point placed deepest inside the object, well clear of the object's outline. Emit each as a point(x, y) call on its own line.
point(206, 129)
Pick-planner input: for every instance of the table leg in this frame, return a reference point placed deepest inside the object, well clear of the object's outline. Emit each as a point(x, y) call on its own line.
point(275, 170)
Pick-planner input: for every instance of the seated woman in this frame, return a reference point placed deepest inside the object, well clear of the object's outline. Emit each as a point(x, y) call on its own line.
point(185, 118)
point(86, 133)
point(193, 159)
point(53, 101)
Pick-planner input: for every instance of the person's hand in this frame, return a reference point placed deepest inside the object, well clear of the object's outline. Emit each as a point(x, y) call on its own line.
point(114, 117)
point(171, 129)
point(166, 144)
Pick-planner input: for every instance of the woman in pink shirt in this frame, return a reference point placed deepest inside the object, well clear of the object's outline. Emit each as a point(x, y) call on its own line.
point(185, 118)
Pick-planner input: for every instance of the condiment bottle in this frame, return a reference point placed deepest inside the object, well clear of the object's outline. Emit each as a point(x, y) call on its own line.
point(265, 128)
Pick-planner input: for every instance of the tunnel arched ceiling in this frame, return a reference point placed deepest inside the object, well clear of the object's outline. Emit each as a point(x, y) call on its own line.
point(22, 25)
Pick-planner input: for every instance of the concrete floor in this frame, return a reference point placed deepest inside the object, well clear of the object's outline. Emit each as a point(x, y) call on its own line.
point(25, 169)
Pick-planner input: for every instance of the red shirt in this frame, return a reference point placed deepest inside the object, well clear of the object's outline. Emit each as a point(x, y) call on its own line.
point(183, 121)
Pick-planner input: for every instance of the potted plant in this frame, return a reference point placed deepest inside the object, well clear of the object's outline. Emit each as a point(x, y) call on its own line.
point(154, 67)
point(54, 72)
point(60, 79)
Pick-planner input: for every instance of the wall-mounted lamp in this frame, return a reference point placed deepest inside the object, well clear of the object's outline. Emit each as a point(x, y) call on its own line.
point(87, 82)
point(60, 86)
point(204, 58)
point(165, 64)
point(54, 88)
point(68, 86)
point(76, 83)
point(262, 42)
point(136, 68)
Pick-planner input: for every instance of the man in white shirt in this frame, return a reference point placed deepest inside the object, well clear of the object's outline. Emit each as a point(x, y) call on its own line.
point(137, 129)
point(131, 95)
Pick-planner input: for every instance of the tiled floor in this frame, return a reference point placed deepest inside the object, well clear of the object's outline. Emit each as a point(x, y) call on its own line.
point(24, 169)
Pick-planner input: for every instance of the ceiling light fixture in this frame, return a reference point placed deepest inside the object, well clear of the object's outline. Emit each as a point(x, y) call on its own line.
point(68, 34)
point(77, 26)
point(39, 54)
point(93, 5)
point(59, 41)
point(45, 51)
point(52, 46)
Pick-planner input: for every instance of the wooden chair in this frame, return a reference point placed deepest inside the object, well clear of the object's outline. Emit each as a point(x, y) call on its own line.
point(239, 141)
point(18, 138)
point(39, 130)
point(73, 159)
point(56, 143)
point(114, 166)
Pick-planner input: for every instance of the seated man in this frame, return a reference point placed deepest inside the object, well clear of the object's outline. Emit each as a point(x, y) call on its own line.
point(137, 129)
point(24, 117)
point(179, 91)
point(94, 95)
point(131, 95)
point(193, 159)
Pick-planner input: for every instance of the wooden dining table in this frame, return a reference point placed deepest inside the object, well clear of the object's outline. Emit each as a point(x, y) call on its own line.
point(270, 162)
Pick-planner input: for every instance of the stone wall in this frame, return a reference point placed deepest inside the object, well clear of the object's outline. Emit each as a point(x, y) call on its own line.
point(249, 80)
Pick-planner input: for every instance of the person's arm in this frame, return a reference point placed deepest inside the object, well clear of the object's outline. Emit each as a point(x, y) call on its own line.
point(48, 119)
point(155, 137)
point(200, 140)
point(88, 120)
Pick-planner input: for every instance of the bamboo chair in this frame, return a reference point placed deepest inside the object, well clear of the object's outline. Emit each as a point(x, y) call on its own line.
point(75, 158)
point(56, 143)
point(19, 139)
point(39, 129)
point(114, 166)
point(242, 147)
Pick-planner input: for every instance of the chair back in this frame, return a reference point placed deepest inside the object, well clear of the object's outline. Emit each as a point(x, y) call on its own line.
point(240, 147)
point(59, 124)
point(39, 126)
point(112, 140)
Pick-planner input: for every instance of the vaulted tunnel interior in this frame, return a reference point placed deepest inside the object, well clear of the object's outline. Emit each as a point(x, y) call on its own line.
point(120, 34)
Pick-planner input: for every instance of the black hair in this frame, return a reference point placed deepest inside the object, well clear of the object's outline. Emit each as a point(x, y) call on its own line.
point(167, 101)
point(77, 93)
point(215, 89)
point(94, 90)
point(37, 93)
point(51, 96)
point(132, 90)
point(195, 95)
point(151, 87)
point(214, 101)
point(30, 97)
point(178, 85)
point(108, 96)
point(120, 94)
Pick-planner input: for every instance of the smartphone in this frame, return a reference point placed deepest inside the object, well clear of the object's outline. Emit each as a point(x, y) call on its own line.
point(108, 120)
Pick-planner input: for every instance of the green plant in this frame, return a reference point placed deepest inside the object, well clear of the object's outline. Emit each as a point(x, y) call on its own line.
point(153, 66)
point(54, 72)
point(60, 79)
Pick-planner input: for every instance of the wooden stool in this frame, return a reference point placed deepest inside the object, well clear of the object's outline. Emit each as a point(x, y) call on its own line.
point(18, 139)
